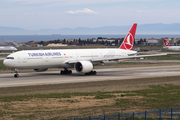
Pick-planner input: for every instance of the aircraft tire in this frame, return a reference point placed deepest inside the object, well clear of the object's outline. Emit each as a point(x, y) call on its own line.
point(16, 75)
point(66, 72)
point(91, 73)
point(62, 72)
point(70, 72)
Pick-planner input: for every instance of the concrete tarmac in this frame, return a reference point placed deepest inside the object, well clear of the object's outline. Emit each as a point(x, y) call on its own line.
point(53, 77)
point(2, 58)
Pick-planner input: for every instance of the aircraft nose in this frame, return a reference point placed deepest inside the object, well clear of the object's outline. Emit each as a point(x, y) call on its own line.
point(5, 62)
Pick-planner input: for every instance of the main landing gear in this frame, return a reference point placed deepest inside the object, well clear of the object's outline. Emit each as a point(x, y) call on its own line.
point(16, 75)
point(91, 73)
point(66, 71)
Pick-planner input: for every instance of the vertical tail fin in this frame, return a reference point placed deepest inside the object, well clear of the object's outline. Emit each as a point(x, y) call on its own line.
point(166, 43)
point(128, 42)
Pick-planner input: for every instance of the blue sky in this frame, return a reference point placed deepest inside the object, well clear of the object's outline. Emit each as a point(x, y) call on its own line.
point(56, 14)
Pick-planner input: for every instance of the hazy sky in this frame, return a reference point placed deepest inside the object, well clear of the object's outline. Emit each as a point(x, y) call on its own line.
point(56, 14)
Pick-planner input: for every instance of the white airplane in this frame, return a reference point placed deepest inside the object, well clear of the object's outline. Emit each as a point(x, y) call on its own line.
point(82, 60)
point(169, 47)
point(7, 48)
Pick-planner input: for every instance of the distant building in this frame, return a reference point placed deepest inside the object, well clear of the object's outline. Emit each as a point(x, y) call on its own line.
point(152, 41)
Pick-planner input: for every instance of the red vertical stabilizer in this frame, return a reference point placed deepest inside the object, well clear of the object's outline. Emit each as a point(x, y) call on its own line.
point(128, 42)
point(166, 43)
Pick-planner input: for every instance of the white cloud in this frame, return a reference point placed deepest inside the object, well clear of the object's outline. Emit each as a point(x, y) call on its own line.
point(85, 11)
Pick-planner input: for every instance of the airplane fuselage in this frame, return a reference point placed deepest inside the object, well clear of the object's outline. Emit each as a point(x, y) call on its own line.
point(174, 48)
point(7, 48)
point(34, 59)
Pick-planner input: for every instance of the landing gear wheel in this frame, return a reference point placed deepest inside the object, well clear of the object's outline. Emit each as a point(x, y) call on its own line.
point(70, 72)
point(62, 72)
point(66, 71)
point(91, 73)
point(16, 75)
point(94, 72)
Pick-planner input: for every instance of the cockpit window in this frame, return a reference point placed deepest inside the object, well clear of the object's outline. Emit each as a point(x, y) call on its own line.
point(9, 57)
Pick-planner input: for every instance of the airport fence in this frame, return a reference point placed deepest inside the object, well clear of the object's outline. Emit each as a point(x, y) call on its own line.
point(168, 114)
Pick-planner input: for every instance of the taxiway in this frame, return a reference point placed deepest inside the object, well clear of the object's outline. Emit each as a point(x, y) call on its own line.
point(54, 77)
point(2, 58)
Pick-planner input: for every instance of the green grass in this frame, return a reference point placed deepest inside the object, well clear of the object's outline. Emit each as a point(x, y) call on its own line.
point(53, 95)
point(123, 102)
point(160, 96)
point(166, 57)
point(128, 94)
point(154, 98)
point(2, 66)
point(27, 97)
point(162, 93)
point(4, 55)
point(104, 96)
point(98, 95)
point(31, 117)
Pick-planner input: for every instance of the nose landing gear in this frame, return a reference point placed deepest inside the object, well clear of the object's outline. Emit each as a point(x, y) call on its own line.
point(16, 75)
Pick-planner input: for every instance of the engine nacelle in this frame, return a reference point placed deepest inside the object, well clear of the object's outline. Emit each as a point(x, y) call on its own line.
point(40, 70)
point(83, 66)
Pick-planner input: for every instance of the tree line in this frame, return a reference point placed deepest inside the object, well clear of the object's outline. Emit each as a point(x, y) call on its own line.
point(81, 42)
point(99, 40)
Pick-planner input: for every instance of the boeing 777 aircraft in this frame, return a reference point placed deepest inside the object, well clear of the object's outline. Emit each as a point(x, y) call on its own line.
point(169, 47)
point(7, 48)
point(82, 60)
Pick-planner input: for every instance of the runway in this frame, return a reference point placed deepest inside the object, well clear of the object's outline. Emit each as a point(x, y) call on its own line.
point(2, 58)
point(53, 77)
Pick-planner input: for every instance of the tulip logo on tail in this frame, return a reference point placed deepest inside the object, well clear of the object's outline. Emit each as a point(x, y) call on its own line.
point(128, 43)
point(166, 43)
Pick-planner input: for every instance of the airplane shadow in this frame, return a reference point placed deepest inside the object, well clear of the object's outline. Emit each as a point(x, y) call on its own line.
point(103, 73)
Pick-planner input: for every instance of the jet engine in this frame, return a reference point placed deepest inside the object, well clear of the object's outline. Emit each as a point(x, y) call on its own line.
point(83, 66)
point(40, 70)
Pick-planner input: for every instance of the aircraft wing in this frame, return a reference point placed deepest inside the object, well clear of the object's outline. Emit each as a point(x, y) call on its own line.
point(117, 58)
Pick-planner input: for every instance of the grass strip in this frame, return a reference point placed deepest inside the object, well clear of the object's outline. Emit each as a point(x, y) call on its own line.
point(155, 97)
point(2, 66)
point(98, 95)
point(166, 57)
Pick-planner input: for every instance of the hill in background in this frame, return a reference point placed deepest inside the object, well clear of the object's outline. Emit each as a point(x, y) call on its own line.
point(158, 28)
